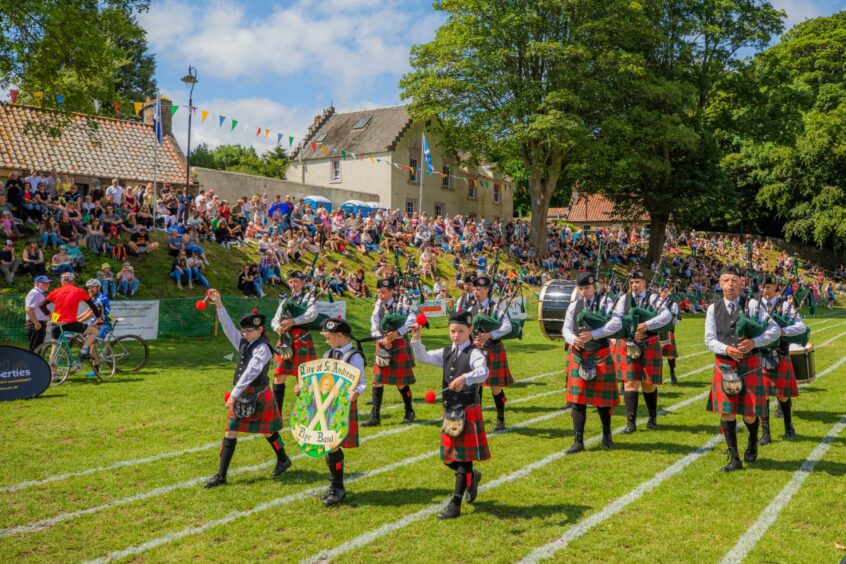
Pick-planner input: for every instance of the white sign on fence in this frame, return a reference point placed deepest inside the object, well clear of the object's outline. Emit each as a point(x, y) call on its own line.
point(332, 309)
point(434, 308)
point(137, 318)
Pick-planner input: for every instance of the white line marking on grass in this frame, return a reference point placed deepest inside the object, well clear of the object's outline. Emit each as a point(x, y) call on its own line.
point(394, 526)
point(165, 455)
point(164, 490)
point(768, 516)
point(547, 550)
point(284, 500)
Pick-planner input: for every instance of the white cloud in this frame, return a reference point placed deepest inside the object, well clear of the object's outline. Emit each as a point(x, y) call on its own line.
point(797, 11)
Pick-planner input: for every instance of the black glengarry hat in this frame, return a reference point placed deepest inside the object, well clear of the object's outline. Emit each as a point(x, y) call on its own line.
point(336, 326)
point(252, 319)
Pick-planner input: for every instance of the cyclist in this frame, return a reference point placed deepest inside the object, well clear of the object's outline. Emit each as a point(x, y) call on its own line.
point(101, 323)
point(66, 300)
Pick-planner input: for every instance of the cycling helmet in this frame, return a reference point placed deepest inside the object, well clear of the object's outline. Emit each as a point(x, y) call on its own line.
point(92, 282)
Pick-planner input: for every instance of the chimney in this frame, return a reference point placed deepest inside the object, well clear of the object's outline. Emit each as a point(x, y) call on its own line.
point(149, 112)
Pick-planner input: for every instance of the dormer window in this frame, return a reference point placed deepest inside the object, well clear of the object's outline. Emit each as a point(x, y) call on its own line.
point(362, 122)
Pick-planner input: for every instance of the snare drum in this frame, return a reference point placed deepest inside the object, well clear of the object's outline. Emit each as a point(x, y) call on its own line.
point(802, 359)
point(552, 306)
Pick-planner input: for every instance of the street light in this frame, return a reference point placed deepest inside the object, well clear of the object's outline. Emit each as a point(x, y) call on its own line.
point(189, 79)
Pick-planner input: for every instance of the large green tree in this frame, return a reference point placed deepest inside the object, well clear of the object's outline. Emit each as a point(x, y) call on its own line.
point(85, 50)
point(519, 84)
point(237, 158)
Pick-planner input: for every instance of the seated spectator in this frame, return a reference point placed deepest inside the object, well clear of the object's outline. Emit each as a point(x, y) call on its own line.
point(33, 261)
point(127, 282)
point(180, 271)
point(140, 244)
point(74, 254)
point(174, 243)
point(61, 263)
point(111, 218)
point(249, 281)
point(269, 268)
point(48, 233)
point(197, 265)
point(107, 280)
point(95, 238)
point(9, 262)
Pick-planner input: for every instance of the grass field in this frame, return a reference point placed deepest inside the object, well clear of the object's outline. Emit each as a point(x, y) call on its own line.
point(115, 471)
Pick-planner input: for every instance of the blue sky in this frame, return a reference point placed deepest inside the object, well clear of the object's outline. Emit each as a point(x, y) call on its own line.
point(276, 65)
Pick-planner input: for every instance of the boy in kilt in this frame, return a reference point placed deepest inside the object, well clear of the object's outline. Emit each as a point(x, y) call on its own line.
point(464, 370)
point(591, 378)
point(499, 374)
point(782, 381)
point(644, 372)
point(250, 380)
point(737, 387)
point(338, 335)
point(302, 344)
point(467, 299)
point(399, 371)
point(668, 341)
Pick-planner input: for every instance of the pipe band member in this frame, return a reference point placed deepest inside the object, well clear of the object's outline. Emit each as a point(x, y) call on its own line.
point(737, 386)
point(669, 350)
point(644, 372)
point(781, 382)
point(250, 382)
point(292, 334)
point(467, 299)
point(399, 371)
point(499, 373)
point(591, 378)
point(464, 371)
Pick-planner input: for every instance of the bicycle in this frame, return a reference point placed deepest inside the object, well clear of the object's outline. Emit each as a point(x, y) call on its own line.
point(131, 352)
point(64, 361)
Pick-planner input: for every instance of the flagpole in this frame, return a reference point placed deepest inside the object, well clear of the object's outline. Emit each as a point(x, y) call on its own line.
point(157, 118)
point(420, 170)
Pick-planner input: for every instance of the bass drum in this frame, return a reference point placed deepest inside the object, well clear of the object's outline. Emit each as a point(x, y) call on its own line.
point(554, 298)
point(802, 359)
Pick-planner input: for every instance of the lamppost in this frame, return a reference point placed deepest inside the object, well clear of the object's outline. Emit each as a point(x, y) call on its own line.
point(190, 79)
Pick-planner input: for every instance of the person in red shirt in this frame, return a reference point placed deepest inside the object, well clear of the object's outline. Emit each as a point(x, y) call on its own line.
point(66, 300)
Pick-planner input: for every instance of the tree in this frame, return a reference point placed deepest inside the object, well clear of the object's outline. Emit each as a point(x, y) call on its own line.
point(237, 158)
point(517, 83)
point(85, 50)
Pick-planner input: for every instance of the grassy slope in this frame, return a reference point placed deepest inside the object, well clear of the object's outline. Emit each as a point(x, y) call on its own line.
point(175, 403)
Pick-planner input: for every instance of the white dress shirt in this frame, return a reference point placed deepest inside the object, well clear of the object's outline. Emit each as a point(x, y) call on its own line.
point(308, 316)
point(375, 320)
point(357, 361)
point(477, 375)
point(662, 317)
point(261, 355)
point(570, 331)
point(789, 310)
point(771, 334)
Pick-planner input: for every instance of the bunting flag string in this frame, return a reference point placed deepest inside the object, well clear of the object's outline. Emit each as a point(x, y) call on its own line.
point(137, 106)
point(203, 116)
point(222, 119)
point(60, 100)
point(173, 109)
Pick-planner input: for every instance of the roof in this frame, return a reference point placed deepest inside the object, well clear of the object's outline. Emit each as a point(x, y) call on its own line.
point(86, 146)
point(336, 130)
point(593, 208)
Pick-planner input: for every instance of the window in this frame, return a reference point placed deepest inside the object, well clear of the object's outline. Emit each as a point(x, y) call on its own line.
point(497, 193)
point(439, 209)
point(320, 138)
point(362, 122)
point(471, 189)
point(446, 180)
point(413, 171)
point(335, 175)
point(410, 205)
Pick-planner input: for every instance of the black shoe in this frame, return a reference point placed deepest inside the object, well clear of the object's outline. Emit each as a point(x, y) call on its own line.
point(673, 379)
point(410, 417)
point(789, 431)
point(327, 493)
point(766, 438)
point(734, 462)
point(568, 405)
point(652, 422)
point(338, 495)
point(577, 447)
point(630, 428)
point(606, 441)
point(216, 480)
point(282, 465)
point(500, 424)
point(778, 412)
point(451, 511)
point(751, 454)
point(372, 422)
point(473, 490)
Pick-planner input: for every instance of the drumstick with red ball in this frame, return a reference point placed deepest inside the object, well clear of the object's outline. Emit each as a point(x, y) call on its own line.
point(422, 321)
point(201, 304)
point(431, 396)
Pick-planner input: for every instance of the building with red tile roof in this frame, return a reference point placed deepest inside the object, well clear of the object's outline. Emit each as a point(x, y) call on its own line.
point(594, 210)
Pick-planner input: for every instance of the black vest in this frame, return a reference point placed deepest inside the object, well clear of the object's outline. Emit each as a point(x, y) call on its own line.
point(726, 324)
point(465, 302)
point(455, 366)
point(628, 303)
point(596, 344)
point(346, 358)
point(245, 354)
point(477, 308)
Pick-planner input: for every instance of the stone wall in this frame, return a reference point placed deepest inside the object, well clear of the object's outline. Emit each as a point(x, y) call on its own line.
point(233, 185)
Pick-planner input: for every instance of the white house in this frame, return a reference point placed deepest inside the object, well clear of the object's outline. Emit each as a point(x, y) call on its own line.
point(378, 152)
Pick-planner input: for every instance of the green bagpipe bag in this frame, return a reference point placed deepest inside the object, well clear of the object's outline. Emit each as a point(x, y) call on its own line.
point(644, 314)
point(484, 323)
point(800, 339)
point(292, 310)
point(392, 322)
point(748, 328)
point(593, 319)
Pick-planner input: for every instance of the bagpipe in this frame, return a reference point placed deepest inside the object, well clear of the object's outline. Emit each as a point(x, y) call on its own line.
point(392, 320)
point(640, 314)
point(490, 320)
point(292, 309)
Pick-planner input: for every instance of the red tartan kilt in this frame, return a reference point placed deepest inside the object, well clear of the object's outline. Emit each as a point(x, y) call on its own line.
point(266, 420)
point(751, 401)
point(473, 442)
point(351, 440)
point(303, 346)
point(401, 370)
point(669, 350)
point(499, 374)
point(649, 368)
point(783, 381)
point(600, 392)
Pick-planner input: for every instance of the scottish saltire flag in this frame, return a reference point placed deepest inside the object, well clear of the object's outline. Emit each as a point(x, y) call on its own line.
point(157, 121)
point(427, 154)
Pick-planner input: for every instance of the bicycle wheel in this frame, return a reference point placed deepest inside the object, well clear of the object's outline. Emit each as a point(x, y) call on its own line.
point(131, 353)
point(60, 362)
point(107, 360)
